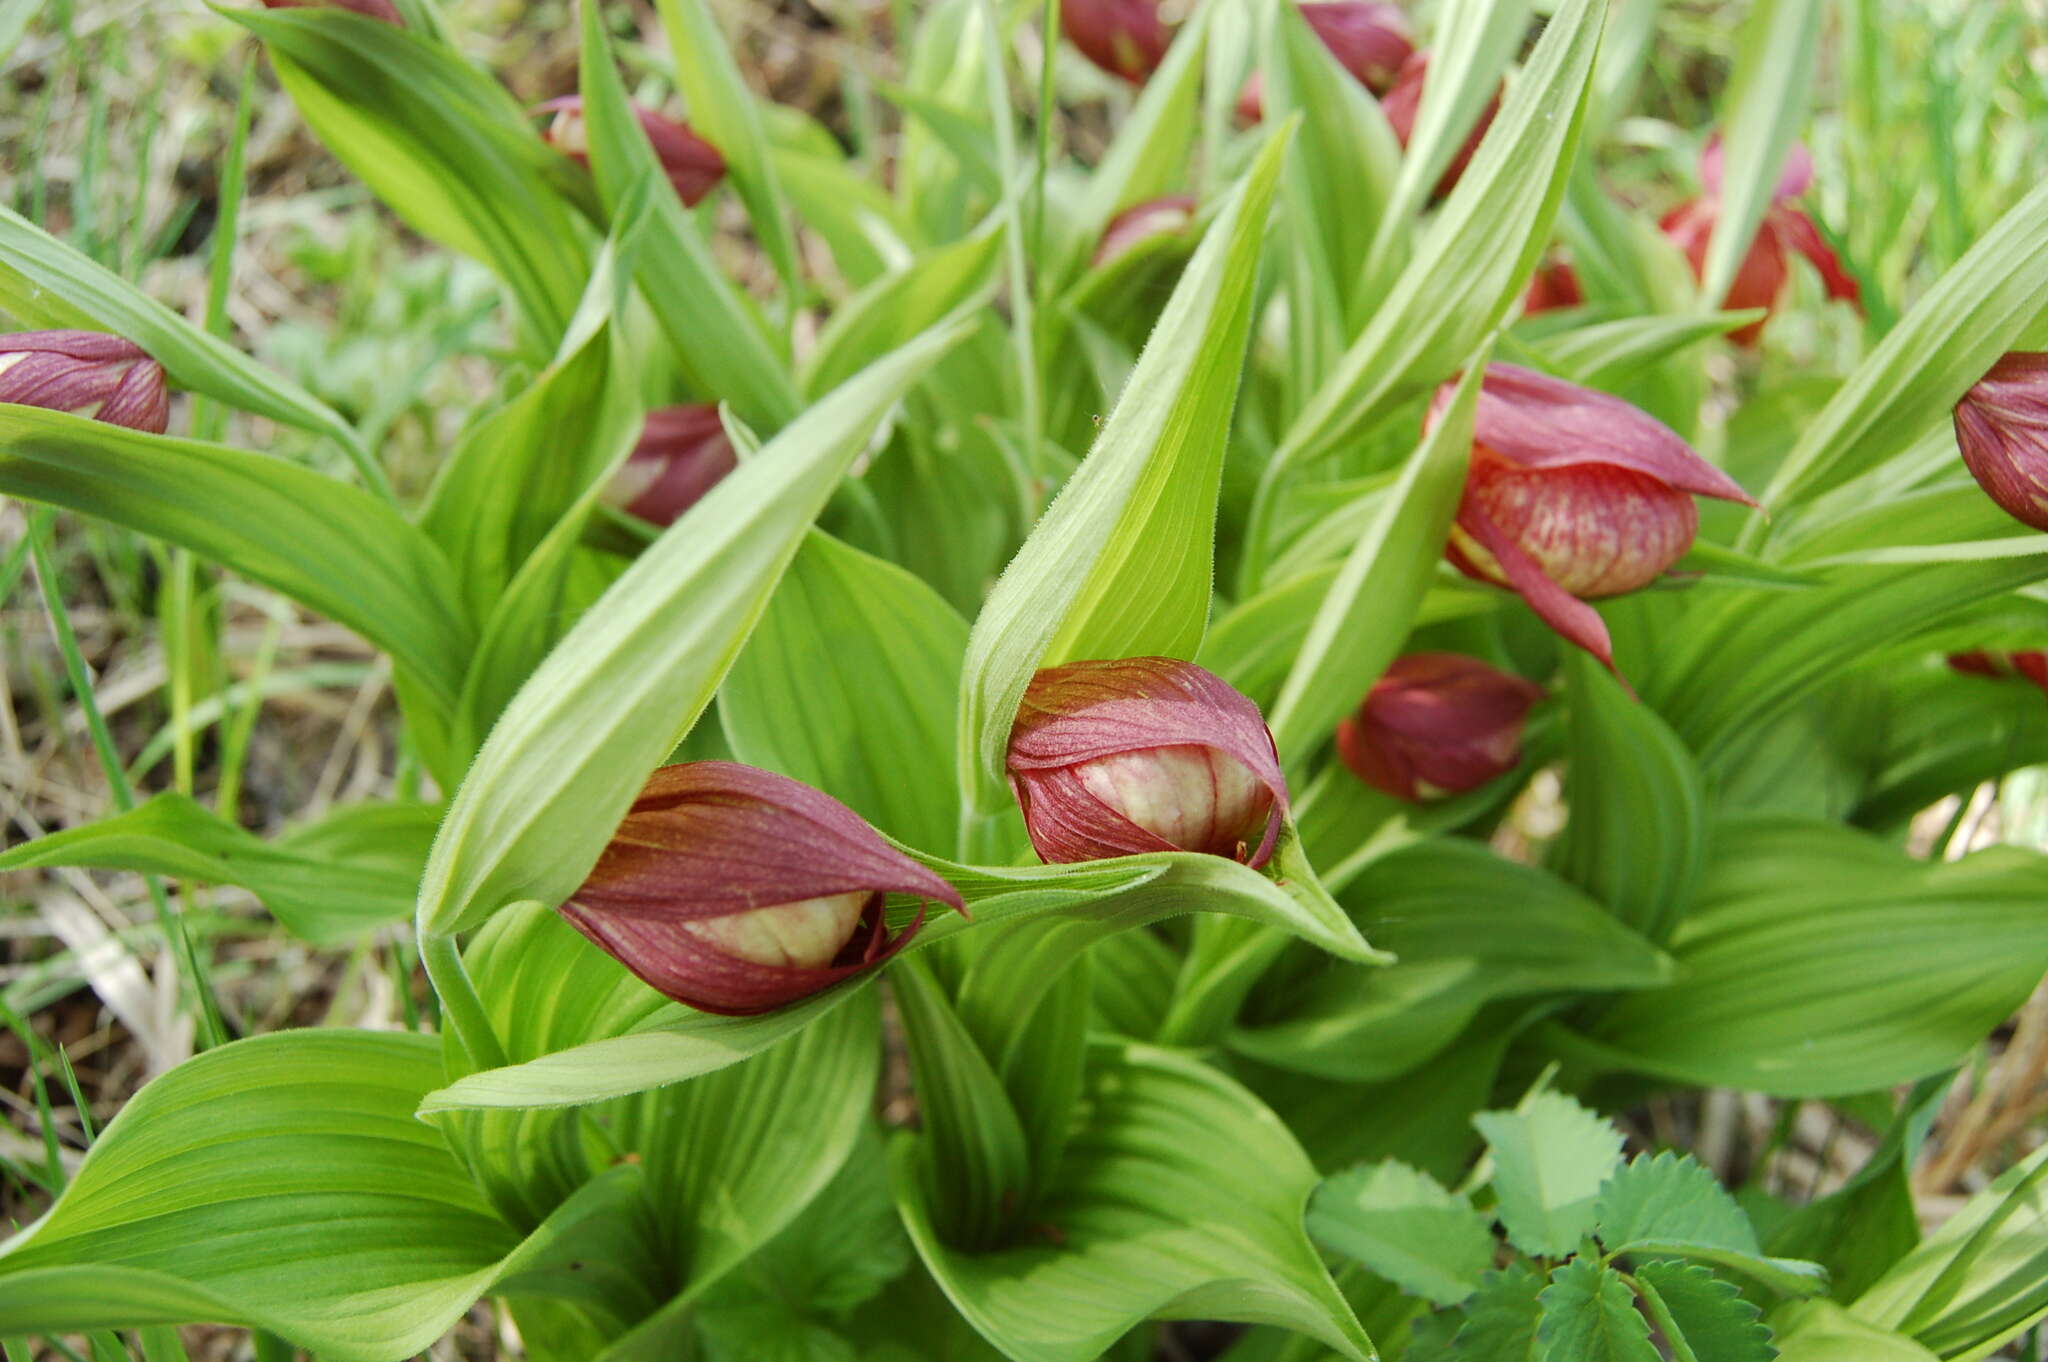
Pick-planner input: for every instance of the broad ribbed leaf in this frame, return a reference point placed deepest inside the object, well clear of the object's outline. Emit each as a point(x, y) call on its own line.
point(714, 331)
point(1821, 1331)
point(332, 547)
point(622, 688)
point(221, 1192)
point(1818, 961)
point(893, 309)
point(848, 684)
point(1120, 565)
point(1478, 253)
point(1371, 605)
point(1637, 835)
point(1180, 1197)
point(723, 112)
point(445, 146)
point(321, 898)
point(1550, 1158)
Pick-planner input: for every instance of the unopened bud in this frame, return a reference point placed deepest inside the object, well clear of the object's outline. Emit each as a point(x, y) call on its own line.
point(2002, 430)
point(736, 890)
point(683, 452)
point(1144, 754)
point(86, 373)
point(693, 166)
point(1124, 37)
point(1437, 724)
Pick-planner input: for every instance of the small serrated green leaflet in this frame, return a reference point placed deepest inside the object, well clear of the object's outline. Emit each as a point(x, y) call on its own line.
point(1500, 1321)
point(1405, 1226)
point(1672, 1197)
point(1702, 1317)
point(1590, 1315)
point(1551, 1157)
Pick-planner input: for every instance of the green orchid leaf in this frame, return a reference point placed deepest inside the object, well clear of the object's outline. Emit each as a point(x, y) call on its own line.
point(1883, 969)
point(334, 548)
point(359, 883)
point(630, 679)
point(1120, 564)
point(1180, 1197)
point(179, 1216)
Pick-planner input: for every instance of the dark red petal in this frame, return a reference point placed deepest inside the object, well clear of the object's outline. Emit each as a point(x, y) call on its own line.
point(1124, 37)
point(711, 838)
point(1578, 622)
point(1799, 232)
point(1067, 823)
point(1367, 37)
point(1539, 422)
point(1143, 221)
point(667, 957)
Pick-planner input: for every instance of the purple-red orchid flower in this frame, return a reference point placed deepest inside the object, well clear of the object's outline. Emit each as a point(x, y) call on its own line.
point(1143, 754)
point(682, 453)
point(736, 890)
point(1126, 38)
point(1369, 38)
point(369, 9)
point(1765, 271)
point(1574, 495)
point(1437, 724)
point(1553, 286)
point(1167, 216)
point(1404, 101)
point(693, 166)
point(2027, 666)
point(86, 373)
point(2002, 430)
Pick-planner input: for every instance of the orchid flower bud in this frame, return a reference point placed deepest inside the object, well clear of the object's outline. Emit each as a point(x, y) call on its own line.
point(85, 373)
point(1762, 276)
point(2028, 666)
point(2002, 430)
point(1573, 495)
point(1126, 38)
point(1144, 754)
point(1369, 38)
point(1552, 287)
point(692, 164)
point(1437, 724)
point(1404, 101)
point(1141, 222)
point(736, 890)
point(682, 453)
point(369, 9)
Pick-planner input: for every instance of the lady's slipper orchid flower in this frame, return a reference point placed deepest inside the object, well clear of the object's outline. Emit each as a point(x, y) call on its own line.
point(86, 373)
point(736, 890)
point(1551, 287)
point(1764, 271)
point(1437, 724)
point(692, 164)
point(1404, 101)
point(2002, 430)
point(682, 453)
point(1126, 38)
point(1141, 222)
point(369, 9)
point(1574, 495)
point(1369, 38)
point(2028, 666)
point(1142, 754)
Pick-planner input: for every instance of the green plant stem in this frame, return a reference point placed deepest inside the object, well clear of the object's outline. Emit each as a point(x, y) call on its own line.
point(460, 1005)
point(212, 1031)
